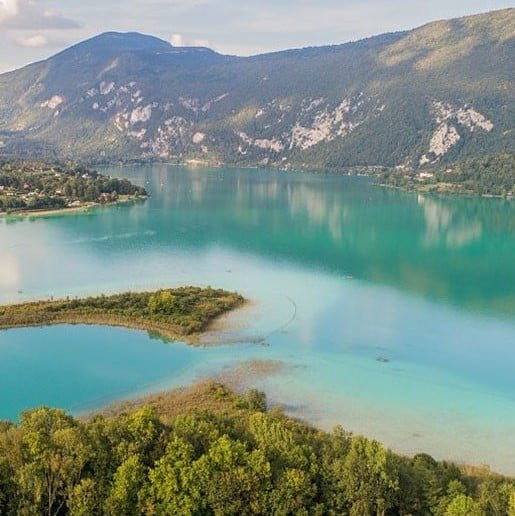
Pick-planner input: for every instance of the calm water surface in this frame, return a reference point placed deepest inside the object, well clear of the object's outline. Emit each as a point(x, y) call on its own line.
point(393, 313)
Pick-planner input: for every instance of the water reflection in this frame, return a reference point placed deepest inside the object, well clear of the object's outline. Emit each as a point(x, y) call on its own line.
point(9, 271)
point(439, 247)
point(448, 249)
point(444, 223)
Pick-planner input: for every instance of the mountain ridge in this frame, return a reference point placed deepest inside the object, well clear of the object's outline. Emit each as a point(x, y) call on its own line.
point(439, 93)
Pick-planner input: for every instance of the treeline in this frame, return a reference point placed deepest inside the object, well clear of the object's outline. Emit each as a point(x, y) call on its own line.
point(34, 185)
point(12, 203)
point(183, 311)
point(210, 451)
point(488, 175)
point(493, 175)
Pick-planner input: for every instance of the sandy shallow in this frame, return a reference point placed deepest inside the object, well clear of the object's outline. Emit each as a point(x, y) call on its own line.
point(407, 433)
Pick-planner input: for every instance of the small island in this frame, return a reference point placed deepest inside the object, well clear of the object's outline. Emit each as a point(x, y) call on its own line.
point(28, 187)
point(487, 176)
point(177, 314)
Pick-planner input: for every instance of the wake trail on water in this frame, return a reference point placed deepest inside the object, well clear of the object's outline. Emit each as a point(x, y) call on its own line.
point(258, 340)
point(87, 240)
point(105, 238)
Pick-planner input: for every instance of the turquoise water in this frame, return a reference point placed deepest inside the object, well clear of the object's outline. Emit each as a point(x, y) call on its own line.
point(341, 274)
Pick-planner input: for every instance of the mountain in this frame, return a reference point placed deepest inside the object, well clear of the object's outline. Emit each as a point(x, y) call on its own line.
point(439, 93)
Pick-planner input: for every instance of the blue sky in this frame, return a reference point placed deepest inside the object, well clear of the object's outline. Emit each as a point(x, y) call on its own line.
point(35, 29)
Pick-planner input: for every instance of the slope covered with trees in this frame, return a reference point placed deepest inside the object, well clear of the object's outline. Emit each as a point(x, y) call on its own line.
point(206, 450)
point(487, 175)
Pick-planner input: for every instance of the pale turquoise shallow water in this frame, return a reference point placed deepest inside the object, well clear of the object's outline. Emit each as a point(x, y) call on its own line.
point(341, 273)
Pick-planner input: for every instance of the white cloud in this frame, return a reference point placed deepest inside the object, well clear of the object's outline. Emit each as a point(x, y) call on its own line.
point(8, 8)
point(31, 15)
point(240, 27)
point(32, 41)
point(178, 40)
point(199, 43)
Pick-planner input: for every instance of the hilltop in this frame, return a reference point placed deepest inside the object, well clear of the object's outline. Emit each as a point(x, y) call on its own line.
point(440, 93)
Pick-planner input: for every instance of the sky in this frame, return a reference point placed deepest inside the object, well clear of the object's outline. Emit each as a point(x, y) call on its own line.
point(31, 30)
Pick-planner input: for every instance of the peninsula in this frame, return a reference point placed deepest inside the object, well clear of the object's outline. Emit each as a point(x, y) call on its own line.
point(182, 313)
point(32, 187)
point(209, 450)
point(487, 176)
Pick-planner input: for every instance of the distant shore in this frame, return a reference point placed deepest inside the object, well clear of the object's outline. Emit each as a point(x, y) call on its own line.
point(75, 209)
point(485, 176)
point(443, 190)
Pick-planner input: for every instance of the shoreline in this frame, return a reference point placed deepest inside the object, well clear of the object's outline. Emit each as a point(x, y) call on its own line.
point(239, 379)
point(357, 171)
point(451, 192)
point(64, 211)
point(162, 330)
point(220, 330)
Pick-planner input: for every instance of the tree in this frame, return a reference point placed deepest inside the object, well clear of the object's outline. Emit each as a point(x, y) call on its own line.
point(278, 443)
point(7, 486)
point(141, 434)
point(173, 488)
point(10, 460)
point(161, 302)
point(369, 478)
point(434, 481)
point(511, 503)
point(294, 493)
point(494, 496)
point(129, 480)
point(463, 505)
point(83, 498)
point(199, 430)
point(54, 453)
point(256, 400)
point(233, 480)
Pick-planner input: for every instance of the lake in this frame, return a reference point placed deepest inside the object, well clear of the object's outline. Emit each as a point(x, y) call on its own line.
point(390, 313)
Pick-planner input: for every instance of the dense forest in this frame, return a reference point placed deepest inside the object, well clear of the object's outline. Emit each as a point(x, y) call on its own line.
point(171, 312)
point(206, 450)
point(487, 175)
point(26, 185)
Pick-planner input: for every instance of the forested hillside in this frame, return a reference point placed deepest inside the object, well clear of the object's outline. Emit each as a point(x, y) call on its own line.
point(206, 450)
point(487, 176)
point(433, 95)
